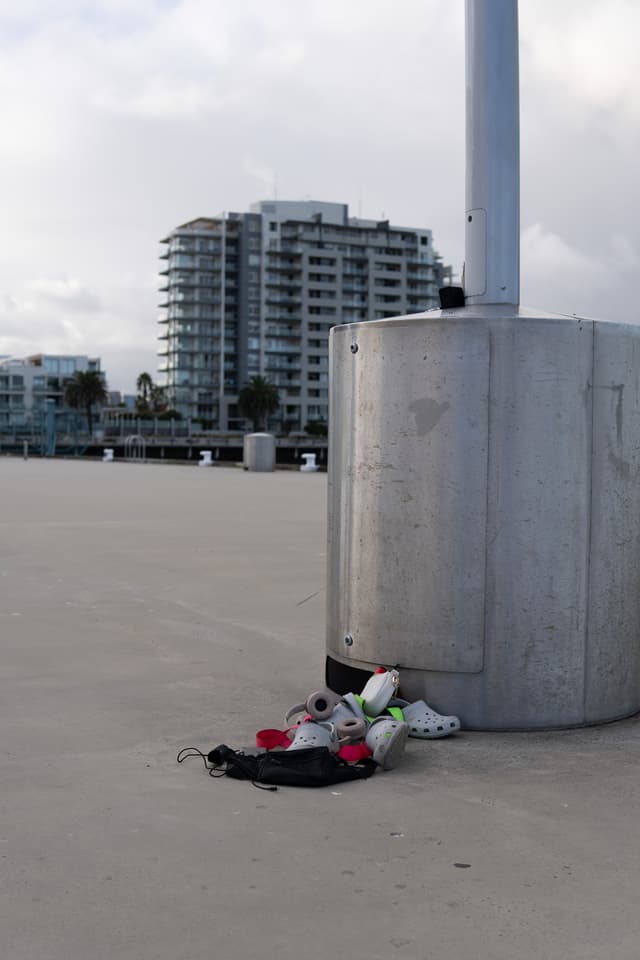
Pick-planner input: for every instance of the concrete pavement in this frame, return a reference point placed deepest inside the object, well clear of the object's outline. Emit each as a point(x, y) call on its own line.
point(147, 607)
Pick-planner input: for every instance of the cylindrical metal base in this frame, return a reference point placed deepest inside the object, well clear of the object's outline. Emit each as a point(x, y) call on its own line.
point(259, 452)
point(484, 513)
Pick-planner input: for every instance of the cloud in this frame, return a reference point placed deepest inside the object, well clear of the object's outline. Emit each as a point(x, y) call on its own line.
point(62, 315)
point(568, 278)
point(68, 293)
point(124, 118)
point(546, 253)
point(588, 50)
point(261, 172)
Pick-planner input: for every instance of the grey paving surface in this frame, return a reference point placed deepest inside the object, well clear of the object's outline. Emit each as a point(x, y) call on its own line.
point(143, 608)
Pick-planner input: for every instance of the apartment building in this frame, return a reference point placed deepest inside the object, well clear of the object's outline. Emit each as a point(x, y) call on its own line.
point(257, 293)
point(26, 385)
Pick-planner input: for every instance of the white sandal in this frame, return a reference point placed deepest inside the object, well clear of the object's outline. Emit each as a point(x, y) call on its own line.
point(424, 722)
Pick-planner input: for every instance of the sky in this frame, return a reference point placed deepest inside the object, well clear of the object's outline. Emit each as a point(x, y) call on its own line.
point(125, 118)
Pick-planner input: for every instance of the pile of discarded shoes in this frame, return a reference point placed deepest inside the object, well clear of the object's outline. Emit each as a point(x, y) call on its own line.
point(375, 723)
point(331, 739)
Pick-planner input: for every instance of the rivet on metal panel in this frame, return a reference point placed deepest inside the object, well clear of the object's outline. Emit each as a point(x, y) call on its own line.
point(348, 640)
point(354, 348)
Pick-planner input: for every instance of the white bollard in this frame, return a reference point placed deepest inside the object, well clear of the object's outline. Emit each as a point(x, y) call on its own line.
point(205, 459)
point(107, 455)
point(309, 465)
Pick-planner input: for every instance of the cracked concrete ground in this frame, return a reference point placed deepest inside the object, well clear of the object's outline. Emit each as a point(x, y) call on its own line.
point(147, 607)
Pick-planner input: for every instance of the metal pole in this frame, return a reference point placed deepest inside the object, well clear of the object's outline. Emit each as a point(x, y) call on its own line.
point(223, 308)
point(492, 235)
point(51, 428)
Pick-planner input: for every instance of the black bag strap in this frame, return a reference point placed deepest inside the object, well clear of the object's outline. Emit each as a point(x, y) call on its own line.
point(223, 761)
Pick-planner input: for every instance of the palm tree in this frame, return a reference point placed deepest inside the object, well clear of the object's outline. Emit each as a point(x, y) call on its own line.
point(83, 390)
point(158, 399)
point(144, 386)
point(257, 401)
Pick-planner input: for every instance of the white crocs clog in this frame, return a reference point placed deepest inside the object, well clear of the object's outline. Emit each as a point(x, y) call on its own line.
point(312, 734)
point(424, 722)
point(352, 702)
point(387, 739)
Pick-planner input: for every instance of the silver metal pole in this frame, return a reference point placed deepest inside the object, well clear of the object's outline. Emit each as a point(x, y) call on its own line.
point(223, 310)
point(492, 236)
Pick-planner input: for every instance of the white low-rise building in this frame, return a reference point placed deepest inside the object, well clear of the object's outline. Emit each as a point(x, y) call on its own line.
point(26, 385)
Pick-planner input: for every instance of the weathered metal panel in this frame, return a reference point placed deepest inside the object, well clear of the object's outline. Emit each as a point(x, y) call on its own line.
point(408, 491)
point(538, 522)
point(613, 653)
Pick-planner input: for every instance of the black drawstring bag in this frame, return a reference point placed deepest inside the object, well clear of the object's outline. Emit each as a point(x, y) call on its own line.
point(308, 767)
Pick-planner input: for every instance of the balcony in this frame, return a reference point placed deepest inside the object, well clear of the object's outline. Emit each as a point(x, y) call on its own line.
point(277, 366)
point(286, 348)
point(184, 264)
point(279, 283)
point(273, 330)
point(289, 298)
point(282, 318)
point(355, 304)
point(274, 262)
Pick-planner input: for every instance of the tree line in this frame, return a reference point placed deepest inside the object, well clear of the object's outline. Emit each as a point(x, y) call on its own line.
point(257, 401)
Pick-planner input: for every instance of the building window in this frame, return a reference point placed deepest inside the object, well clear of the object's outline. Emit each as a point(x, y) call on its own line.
point(182, 260)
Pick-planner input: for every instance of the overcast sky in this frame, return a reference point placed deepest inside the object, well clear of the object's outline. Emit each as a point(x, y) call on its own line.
point(124, 118)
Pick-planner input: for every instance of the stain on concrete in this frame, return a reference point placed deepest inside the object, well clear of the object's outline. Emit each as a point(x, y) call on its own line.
point(428, 413)
point(619, 389)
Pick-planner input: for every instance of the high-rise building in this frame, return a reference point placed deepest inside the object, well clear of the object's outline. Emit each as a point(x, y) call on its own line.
point(256, 294)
